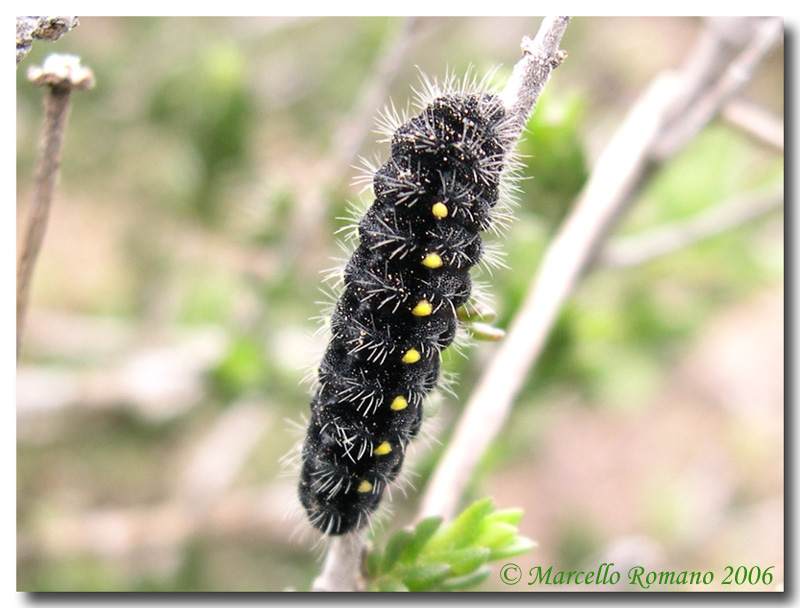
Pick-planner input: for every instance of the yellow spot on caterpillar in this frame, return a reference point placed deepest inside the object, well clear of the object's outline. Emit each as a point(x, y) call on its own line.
point(422, 309)
point(382, 449)
point(432, 260)
point(399, 403)
point(412, 356)
point(439, 210)
point(364, 486)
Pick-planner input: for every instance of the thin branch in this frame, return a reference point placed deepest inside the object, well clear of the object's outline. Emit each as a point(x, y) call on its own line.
point(305, 224)
point(755, 122)
point(352, 133)
point(718, 42)
point(342, 568)
point(635, 250)
point(216, 459)
point(155, 381)
point(62, 74)
point(147, 529)
point(531, 73)
point(40, 28)
point(737, 74)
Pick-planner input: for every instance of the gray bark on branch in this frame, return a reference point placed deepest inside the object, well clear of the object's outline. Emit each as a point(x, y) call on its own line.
point(40, 28)
point(641, 248)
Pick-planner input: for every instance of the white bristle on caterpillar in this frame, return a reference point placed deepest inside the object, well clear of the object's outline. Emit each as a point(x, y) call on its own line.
point(408, 274)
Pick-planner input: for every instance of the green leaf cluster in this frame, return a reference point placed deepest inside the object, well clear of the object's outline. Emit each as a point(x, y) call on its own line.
point(431, 556)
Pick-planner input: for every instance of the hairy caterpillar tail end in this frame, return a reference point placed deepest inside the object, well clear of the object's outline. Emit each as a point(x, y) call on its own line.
point(397, 311)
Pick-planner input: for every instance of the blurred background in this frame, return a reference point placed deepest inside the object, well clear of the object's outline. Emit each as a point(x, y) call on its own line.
point(172, 311)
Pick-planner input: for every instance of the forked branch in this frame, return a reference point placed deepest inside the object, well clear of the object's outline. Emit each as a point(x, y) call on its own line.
point(658, 124)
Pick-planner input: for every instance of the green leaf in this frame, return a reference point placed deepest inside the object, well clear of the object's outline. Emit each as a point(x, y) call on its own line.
point(460, 583)
point(463, 528)
point(241, 368)
point(422, 533)
point(496, 535)
point(508, 516)
point(388, 584)
point(518, 547)
point(421, 577)
point(395, 547)
point(463, 561)
point(372, 563)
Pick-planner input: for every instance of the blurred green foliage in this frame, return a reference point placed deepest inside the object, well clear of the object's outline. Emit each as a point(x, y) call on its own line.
point(555, 163)
point(207, 105)
point(183, 187)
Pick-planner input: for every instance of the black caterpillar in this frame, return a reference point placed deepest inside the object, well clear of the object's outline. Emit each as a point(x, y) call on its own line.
point(397, 312)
